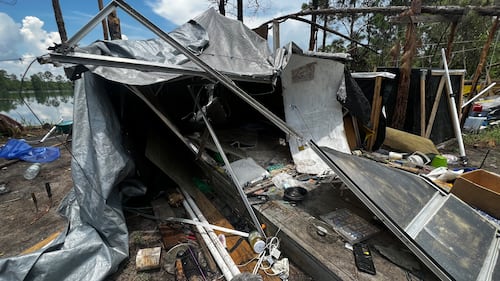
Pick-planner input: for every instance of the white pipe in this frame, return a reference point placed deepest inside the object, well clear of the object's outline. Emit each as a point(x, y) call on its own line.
point(211, 247)
point(222, 251)
point(51, 131)
point(209, 226)
point(453, 109)
point(480, 94)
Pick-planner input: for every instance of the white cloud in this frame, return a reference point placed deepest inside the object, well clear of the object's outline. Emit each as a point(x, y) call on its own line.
point(179, 12)
point(9, 37)
point(36, 39)
point(23, 42)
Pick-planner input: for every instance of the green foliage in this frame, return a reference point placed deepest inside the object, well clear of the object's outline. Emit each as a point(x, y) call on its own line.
point(377, 31)
point(41, 86)
point(485, 136)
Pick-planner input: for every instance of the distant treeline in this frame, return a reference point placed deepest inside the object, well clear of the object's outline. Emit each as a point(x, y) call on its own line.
point(39, 82)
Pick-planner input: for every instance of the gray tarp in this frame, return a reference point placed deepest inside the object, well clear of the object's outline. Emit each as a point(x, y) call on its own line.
point(97, 238)
point(224, 44)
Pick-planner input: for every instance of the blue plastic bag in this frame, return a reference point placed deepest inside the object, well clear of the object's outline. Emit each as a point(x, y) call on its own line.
point(14, 148)
point(19, 149)
point(41, 155)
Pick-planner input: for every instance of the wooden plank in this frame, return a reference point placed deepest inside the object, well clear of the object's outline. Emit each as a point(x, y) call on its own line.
point(375, 114)
point(423, 73)
point(435, 106)
point(41, 244)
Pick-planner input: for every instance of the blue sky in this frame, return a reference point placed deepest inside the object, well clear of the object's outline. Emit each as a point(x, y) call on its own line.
point(28, 27)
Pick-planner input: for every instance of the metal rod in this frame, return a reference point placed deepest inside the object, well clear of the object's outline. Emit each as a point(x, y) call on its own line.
point(232, 174)
point(479, 94)
point(91, 24)
point(453, 110)
point(222, 251)
point(100, 60)
point(223, 79)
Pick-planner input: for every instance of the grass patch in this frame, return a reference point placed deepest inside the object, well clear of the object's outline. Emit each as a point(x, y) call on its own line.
point(484, 136)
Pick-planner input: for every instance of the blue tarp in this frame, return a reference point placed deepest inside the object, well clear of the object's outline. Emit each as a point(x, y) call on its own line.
point(19, 149)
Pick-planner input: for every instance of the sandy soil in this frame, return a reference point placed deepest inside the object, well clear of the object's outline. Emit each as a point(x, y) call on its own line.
point(21, 225)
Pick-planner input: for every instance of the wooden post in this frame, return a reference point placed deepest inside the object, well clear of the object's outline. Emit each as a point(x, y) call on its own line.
point(484, 54)
point(240, 10)
point(59, 21)
point(104, 24)
point(375, 114)
point(222, 7)
point(423, 73)
point(435, 106)
point(449, 46)
point(312, 36)
point(114, 26)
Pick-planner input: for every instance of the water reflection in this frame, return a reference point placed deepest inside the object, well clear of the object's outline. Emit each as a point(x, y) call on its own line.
point(49, 106)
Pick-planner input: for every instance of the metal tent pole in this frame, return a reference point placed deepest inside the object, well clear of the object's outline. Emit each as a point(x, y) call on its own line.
point(223, 79)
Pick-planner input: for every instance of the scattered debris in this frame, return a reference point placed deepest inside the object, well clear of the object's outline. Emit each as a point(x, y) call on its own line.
point(148, 259)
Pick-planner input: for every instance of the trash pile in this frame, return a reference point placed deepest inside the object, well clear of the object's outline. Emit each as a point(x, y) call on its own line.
point(485, 113)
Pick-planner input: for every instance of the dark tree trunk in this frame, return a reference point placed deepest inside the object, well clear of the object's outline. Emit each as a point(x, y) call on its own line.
point(59, 21)
point(104, 24)
point(114, 26)
point(312, 36)
point(240, 10)
point(222, 7)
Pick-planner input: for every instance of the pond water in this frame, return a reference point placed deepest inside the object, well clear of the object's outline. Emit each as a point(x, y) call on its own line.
point(49, 107)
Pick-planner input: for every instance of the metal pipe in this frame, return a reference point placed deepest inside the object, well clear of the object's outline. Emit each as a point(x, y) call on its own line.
point(232, 174)
point(211, 247)
point(91, 24)
point(142, 65)
point(479, 94)
point(453, 110)
point(222, 251)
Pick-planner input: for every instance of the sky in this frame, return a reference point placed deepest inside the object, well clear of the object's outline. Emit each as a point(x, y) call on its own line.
point(28, 27)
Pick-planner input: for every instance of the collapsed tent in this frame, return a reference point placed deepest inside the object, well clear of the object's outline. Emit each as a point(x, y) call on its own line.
point(116, 95)
point(141, 106)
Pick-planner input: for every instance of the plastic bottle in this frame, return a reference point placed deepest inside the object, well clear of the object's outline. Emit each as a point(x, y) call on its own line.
point(255, 239)
point(32, 171)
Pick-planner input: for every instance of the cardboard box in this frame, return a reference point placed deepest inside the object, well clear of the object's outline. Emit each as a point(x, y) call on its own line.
point(481, 189)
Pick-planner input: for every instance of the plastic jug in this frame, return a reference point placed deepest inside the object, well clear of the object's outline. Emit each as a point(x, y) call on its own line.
point(32, 171)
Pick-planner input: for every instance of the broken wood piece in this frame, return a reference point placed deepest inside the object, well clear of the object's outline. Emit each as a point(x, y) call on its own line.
point(423, 74)
point(376, 109)
point(148, 259)
point(179, 270)
point(435, 106)
point(41, 244)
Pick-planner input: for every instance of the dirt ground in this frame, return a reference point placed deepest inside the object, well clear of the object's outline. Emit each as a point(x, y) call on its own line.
point(22, 226)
